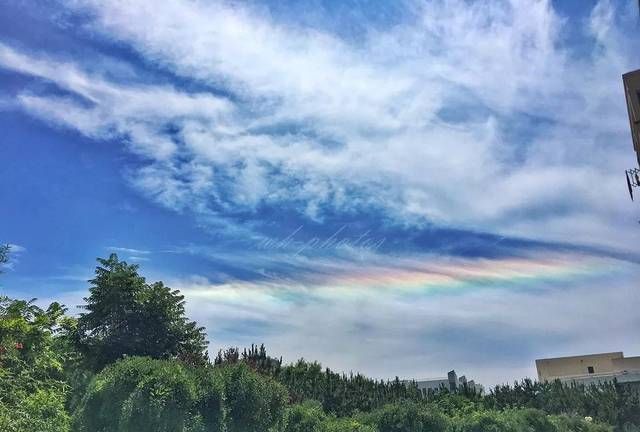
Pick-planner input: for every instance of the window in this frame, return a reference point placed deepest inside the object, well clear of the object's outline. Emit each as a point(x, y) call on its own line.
point(590, 369)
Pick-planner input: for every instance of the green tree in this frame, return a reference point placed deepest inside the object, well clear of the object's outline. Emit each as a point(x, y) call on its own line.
point(32, 386)
point(4, 255)
point(126, 316)
point(609, 402)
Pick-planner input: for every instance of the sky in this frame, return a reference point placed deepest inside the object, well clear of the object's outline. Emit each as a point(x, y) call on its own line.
point(395, 188)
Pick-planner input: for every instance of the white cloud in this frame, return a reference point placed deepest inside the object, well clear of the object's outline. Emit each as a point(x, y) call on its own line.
point(492, 334)
point(129, 250)
point(311, 120)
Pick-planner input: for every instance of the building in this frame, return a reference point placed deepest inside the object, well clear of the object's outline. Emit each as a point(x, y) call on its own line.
point(590, 369)
point(631, 82)
point(451, 383)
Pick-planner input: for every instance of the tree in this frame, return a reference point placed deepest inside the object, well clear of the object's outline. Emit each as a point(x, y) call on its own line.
point(32, 381)
point(4, 255)
point(126, 316)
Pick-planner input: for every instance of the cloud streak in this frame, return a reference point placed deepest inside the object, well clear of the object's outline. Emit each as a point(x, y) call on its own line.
point(420, 120)
point(490, 318)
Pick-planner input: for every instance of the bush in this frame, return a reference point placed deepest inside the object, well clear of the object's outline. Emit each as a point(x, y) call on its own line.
point(305, 417)
point(536, 420)
point(310, 417)
point(145, 395)
point(346, 425)
point(523, 420)
point(577, 424)
point(489, 421)
point(254, 403)
point(42, 411)
point(406, 417)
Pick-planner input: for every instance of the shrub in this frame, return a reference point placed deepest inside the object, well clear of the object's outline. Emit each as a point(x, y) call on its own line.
point(305, 417)
point(346, 424)
point(536, 420)
point(41, 411)
point(577, 424)
point(488, 421)
point(406, 417)
point(254, 403)
point(145, 395)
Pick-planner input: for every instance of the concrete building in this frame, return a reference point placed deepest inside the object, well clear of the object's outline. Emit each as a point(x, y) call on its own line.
point(590, 369)
point(451, 382)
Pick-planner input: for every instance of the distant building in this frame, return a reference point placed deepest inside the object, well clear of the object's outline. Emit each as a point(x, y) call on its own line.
point(590, 369)
point(451, 383)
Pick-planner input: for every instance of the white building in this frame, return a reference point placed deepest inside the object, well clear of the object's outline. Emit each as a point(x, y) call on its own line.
point(451, 382)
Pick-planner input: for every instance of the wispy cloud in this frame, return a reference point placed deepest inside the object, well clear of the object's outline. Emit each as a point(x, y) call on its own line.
point(135, 255)
point(129, 250)
point(466, 115)
point(490, 318)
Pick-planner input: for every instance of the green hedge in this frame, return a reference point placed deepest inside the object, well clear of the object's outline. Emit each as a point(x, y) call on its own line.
point(146, 395)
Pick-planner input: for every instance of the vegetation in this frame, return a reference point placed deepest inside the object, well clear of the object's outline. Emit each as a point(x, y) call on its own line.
point(4, 255)
point(128, 317)
point(134, 362)
point(612, 403)
point(33, 388)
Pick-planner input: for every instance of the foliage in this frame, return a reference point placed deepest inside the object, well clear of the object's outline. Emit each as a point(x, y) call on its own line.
point(32, 384)
point(305, 417)
point(256, 358)
point(346, 424)
point(146, 395)
point(254, 403)
point(4, 255)
point(612, 403)
point(577, 424)
point(41, 411)
point(339, 394)
point(153, 375)
point(128, 317)
point(407, 416)
point(310, 417)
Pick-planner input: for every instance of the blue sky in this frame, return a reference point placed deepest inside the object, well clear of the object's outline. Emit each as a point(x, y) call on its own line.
point(340, 180)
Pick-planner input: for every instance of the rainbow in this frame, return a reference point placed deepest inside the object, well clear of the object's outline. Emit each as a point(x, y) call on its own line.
point(410, 277)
